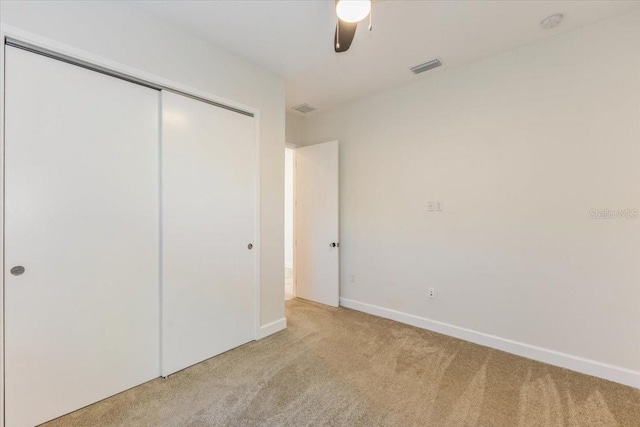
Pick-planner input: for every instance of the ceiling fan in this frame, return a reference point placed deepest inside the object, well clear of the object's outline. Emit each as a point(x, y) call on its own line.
point(348, 14)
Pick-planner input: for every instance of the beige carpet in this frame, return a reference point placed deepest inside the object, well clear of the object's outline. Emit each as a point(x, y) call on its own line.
point(338, 367)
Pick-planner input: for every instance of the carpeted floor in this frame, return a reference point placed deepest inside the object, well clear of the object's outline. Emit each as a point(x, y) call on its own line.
point(339, 367)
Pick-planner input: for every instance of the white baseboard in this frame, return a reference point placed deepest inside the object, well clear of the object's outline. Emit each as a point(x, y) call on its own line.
point(574, 363)
point(271, 328)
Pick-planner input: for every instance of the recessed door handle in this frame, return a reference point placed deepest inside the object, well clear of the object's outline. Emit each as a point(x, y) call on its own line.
point(17, 270)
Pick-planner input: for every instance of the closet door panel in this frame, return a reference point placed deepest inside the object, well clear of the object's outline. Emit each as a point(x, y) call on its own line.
point(81, 217)
point(208, 223)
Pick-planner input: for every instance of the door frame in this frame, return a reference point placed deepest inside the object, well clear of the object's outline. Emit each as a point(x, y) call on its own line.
point(293, 147)
point(64, 50)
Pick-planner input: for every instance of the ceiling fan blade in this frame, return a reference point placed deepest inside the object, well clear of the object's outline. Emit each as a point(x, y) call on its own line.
point(346, 30)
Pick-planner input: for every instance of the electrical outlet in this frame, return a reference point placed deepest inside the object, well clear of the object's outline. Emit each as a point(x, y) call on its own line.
point(353, 278)
point(438, 206)
point(432, 293)
point(431, 206)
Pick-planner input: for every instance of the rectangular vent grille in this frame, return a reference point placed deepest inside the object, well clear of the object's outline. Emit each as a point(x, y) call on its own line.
point(303, 108)
point(426, 66)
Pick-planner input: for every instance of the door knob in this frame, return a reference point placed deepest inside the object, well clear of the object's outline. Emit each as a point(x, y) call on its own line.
point(17, 270)
point(250, 246)
point(334, 244)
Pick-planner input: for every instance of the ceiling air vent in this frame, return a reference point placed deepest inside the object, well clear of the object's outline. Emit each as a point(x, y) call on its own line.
point(426, 66)
point(303, 108)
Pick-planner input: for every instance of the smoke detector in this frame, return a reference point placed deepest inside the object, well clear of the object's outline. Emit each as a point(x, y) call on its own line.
point(552, 21)
point(303, 108)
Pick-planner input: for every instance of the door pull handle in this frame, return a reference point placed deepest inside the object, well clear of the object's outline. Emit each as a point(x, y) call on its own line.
point(18, 270)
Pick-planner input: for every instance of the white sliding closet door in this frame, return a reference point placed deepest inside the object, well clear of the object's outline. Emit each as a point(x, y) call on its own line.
point(81, 217)
point(208, 222)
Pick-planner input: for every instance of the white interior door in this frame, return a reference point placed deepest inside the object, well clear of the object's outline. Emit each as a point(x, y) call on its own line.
point(81, 217)
point(209, 221)
point(317, 213)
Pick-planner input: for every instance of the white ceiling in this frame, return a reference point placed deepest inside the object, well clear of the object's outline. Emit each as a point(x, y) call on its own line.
point(294, 38)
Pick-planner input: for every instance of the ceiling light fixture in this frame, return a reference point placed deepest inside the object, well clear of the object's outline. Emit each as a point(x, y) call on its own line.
point(353, 10)
point(348, 14)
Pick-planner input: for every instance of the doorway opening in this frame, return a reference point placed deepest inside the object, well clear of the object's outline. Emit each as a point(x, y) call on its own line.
point(289, 161)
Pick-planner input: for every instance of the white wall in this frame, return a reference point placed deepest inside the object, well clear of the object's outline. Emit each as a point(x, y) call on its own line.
point(293, 129)
point(518, 147)
point(122, 33)
point(288, 207)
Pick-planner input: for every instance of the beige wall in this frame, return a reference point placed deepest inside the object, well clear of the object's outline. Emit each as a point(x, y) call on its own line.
point(519, 148)
point(293, 129)
point(123, 33)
